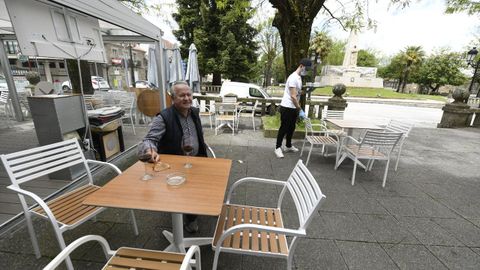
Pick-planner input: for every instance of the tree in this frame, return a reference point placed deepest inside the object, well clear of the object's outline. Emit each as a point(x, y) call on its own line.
point(412, 57)
point(188, 18)
point(336, 54)
point(320, 46)
point(367, 58)
point(269, 43)
point(441, 69)
point(278, 69)
point(471, 7)
point(224, 39)
point(294, 20)
point(394, 70)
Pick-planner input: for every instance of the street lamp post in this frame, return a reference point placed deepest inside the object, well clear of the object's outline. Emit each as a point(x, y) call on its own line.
point(475, 64)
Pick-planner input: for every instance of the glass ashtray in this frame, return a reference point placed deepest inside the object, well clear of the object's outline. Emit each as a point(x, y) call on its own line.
point(176, 179)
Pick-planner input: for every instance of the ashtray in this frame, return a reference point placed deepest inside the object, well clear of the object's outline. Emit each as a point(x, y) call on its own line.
point(176, 179)
point(161, 166)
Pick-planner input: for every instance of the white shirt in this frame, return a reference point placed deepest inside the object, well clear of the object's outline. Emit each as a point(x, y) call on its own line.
point(294, 80)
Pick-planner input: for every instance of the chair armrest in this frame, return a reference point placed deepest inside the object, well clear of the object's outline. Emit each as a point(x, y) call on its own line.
point(345, 140)
point(115, 168)
point(252, 179)
point(37, 199)
point(192, 250)
point(242, 227)
point(80, 241)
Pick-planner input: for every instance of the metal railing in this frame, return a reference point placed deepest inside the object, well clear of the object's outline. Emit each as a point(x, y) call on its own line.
point(270, 105)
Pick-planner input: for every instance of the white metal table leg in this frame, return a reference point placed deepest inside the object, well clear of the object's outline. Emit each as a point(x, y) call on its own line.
point(177, 242)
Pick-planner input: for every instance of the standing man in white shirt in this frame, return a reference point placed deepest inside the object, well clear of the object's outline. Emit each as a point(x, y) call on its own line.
point(290, 108)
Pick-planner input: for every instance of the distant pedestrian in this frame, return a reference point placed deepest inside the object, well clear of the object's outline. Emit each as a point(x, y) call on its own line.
point(290, 108)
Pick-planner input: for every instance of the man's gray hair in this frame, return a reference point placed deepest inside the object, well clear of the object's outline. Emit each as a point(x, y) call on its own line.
point(172, 90)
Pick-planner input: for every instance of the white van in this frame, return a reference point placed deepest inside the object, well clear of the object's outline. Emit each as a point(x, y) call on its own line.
point(242, 90)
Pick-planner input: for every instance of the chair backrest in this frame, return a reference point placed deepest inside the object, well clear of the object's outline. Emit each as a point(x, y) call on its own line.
point(195, 103)
point(3, 97)
point(254, 108)
point(309, 127)
point(225, 108)
point(381, 141)
point(30, 164)
point(331, 114)
point(399, 126)
point(229, 99)
point(126, 102)
point(305, 192)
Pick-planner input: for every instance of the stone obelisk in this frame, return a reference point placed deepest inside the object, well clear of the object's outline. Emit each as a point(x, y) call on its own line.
point(351, 50)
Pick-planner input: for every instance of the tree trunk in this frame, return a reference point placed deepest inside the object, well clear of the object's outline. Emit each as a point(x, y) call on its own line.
point(400, 82)
point(405, 79)
point(294, 28)
point(217, 78)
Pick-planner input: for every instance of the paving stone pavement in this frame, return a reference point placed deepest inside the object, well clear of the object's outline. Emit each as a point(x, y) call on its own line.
point(427, 216)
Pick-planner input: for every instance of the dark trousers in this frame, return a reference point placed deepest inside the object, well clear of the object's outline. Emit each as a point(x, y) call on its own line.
point(189, 218)
point(288, 117)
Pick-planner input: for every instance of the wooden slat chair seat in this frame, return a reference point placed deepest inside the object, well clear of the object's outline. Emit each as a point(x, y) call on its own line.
point(225, 114)
point(66, 211)
point(260, 231)
point(252, 240)
point(68, 208)
point(365, 152)
point(204, 110)
point(126, 258)
point(375, 145)
point(324, 138)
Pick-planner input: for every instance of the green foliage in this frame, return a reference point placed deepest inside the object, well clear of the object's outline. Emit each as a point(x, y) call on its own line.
point(392, 71)
point(336, 54)
point(224, 39)
point(471, 7)
point(376, 93)
point(441, 69)
point(278, 69)
point(320, 45)
point(270, 46)
point(367, 58)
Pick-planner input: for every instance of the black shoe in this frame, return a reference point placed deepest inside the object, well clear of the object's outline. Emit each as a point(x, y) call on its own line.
point(191, 227)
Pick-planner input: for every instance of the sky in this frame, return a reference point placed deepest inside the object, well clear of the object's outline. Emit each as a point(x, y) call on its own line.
point(424, 23)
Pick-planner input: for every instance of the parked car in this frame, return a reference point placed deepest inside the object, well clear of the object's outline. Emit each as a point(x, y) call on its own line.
point(144, 84)
point(243, 90)
point(98, 83)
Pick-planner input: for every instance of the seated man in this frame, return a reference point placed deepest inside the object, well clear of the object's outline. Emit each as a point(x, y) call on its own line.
point(168, 129)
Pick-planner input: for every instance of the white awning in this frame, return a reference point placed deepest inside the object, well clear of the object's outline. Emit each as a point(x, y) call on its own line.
point(112, 11)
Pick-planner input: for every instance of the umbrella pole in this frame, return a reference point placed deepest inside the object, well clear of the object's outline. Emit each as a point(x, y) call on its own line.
point(87, 140)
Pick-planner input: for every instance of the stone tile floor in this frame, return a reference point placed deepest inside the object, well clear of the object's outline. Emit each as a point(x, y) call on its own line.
point(427, 216)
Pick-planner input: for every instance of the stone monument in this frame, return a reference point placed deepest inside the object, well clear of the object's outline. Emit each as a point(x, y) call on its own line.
point(348, 73)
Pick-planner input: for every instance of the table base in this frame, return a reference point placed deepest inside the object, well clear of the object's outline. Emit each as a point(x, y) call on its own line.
point(177, 242)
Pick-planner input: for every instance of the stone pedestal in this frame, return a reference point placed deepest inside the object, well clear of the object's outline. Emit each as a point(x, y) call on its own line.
point(456, 115)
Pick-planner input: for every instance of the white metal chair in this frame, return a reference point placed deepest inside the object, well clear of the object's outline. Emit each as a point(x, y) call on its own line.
point(133, 258)
point(375, 145)
point(5, 101)
point(127, 103)
point(402, 127)
point(66, 211)
point(324, 138)
point(229, 99)
point(225, 115)
point(204, 110)
point(333, 114)
point(259, 231)
point(242, 114)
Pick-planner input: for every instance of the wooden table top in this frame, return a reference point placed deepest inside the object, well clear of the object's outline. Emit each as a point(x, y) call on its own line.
point(342, 123)
point(202, 193)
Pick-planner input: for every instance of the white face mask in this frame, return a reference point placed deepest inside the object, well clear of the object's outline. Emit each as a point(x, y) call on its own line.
point(303, 72)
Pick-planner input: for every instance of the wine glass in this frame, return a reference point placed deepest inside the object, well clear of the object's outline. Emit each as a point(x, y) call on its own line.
point(146, 158)
point(187, 147)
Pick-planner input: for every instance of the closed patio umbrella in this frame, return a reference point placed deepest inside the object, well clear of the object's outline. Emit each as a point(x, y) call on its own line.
point(193, 75)
point(152, 75)
point(176, 67)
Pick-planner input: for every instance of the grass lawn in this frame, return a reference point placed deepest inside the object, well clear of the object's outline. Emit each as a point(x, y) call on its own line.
point(376, 93)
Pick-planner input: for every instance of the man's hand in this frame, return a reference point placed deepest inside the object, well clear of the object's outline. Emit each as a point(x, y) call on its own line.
point(155, 156)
